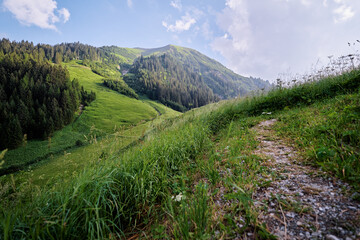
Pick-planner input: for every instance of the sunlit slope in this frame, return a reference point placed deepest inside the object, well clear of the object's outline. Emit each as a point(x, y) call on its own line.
point(110, 108)
point(110, 113)
point(224, 82)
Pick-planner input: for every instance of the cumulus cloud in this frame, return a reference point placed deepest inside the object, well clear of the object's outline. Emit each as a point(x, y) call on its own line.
point(176, 4)
point(40, 13)
point(180, 25)
point(65, 14)
point(234, 20)
point(343, 13)
point(258, 42)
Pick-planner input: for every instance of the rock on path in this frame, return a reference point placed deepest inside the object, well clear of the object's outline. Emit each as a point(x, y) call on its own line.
point(300, 203)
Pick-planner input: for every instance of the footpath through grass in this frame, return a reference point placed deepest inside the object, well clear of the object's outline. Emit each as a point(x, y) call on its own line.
point(174, 183)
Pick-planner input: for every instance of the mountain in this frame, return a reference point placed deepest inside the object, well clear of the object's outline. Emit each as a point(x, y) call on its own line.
point(223, 82)
point(163, 78)
point(187, 79)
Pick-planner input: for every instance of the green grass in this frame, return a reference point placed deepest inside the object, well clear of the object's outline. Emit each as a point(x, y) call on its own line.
point(328, 135)
point(110, 108)
point(167, 185)
point(109, 113)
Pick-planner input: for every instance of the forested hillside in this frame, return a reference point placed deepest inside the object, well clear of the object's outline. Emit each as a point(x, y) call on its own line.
point(165, 79)
point(224, 82)
point(36, 96)
point(233, 169)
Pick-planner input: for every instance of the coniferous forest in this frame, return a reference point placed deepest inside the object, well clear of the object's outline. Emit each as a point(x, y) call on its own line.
point(37, 97)
point(163, 78)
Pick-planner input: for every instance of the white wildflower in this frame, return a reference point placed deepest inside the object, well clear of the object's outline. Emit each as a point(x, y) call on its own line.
point(178, 197)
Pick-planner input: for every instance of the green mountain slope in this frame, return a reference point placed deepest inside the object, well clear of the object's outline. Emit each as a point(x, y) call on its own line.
point(126, 55)
point(163, 78)
point(111, 113)
point(198, 175)
point(223, 82)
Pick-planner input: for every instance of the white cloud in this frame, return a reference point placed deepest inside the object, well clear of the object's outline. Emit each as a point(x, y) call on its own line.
point(180, 25)
point(176, 4)
point(130, 3)
point(258, 42)
point(306, 3)
point(343, 13)
point(65, 14)
point(234, 20)
point(40, 13)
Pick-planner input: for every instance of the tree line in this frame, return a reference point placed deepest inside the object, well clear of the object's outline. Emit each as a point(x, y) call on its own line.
point(121, 87)
point(163, 78)
point(36, 96)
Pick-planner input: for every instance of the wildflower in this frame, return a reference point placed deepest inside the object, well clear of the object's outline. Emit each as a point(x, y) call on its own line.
point(178, 197)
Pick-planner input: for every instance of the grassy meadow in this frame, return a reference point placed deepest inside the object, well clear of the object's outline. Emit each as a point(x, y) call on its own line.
point(166, 186)
point(109, 115)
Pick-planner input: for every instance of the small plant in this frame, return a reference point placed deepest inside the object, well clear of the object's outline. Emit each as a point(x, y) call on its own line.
point(191, 216)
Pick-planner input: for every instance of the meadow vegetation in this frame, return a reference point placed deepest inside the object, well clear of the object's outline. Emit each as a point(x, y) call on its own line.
point(111, 113)
point(168, 185)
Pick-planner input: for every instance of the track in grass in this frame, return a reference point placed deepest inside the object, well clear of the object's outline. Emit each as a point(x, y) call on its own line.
point(301, 202)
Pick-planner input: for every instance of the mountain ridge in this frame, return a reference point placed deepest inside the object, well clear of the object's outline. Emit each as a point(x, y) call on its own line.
point(224, 82)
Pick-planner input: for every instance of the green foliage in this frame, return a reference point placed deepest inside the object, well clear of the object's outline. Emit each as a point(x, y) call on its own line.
point(121, 87)
point(36, 99)
point(122, 194)
point(164, 79)
point(329, 134)
point(111, 197)
point(86, 97)
point(127, 55)
point(285, 98)
point(191, 216)
point(107, 117)
point(222, 81)
point(110, 109)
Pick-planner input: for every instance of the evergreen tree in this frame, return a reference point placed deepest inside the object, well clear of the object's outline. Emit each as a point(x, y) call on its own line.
point(36, 97)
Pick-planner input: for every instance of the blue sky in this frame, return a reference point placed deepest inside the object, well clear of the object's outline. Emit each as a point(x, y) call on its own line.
point(260, 38)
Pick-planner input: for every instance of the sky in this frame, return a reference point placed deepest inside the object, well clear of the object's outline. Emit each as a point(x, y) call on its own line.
point(258, 38)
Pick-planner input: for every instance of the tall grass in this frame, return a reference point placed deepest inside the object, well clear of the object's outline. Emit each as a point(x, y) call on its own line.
point(285, 98)
point(120, 194)
point(328, 134)
point(111, 198)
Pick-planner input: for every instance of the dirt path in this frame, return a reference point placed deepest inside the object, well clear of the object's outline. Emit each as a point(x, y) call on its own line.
point(300, 203)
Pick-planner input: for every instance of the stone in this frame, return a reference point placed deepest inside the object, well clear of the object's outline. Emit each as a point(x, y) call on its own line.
point(355, 196)
point(331, 237)
point(290, 214)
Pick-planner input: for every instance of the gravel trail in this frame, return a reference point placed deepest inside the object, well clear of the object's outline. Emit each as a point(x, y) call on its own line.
point(300, 202)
